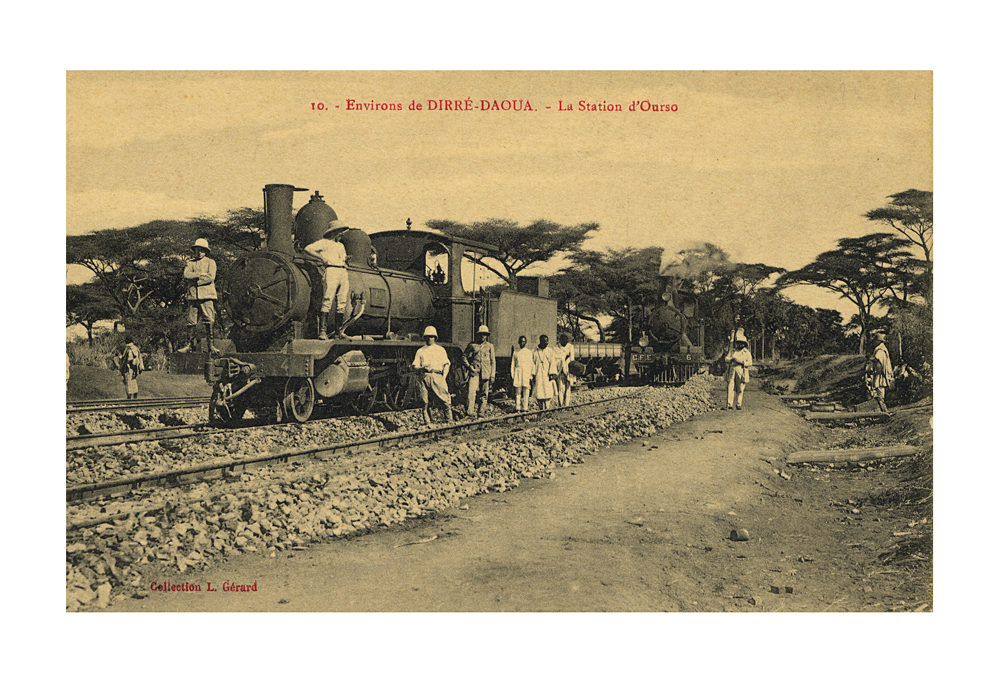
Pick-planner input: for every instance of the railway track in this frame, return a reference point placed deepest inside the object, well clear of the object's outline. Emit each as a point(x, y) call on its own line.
point(83, 441)
point(134, 404)
point(227, 467)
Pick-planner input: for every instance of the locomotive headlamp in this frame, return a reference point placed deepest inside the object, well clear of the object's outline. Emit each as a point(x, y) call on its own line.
point(644, 340)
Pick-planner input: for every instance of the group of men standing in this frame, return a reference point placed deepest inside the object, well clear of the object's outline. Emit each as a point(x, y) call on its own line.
point(545, 368)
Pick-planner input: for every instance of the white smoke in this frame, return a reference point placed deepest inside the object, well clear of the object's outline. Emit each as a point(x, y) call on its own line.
point(694, 259)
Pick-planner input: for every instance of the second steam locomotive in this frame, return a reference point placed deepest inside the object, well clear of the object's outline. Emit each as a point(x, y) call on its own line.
point(400, 282)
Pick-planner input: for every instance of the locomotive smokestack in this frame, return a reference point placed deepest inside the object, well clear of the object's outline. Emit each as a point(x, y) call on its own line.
point(278, 217)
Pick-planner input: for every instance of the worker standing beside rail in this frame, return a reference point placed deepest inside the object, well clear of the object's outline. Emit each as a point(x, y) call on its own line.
point(545, 372)
point(883, 376)
point(432, 360)
point(480, 357)
point(336, 284)
point(739, 361)
point(565, 379)
point(131, 366)
point(522, 370)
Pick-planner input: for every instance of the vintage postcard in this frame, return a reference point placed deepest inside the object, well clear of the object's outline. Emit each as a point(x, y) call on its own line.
point(490, 341)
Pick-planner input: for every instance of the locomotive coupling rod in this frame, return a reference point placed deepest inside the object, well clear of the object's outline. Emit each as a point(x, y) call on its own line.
point(253, 382)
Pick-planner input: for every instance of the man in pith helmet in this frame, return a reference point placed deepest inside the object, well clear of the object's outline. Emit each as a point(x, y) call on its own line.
point(333, 257)
point(739, 360)
point(480, 357)
point(432, 360)
point(199, 272)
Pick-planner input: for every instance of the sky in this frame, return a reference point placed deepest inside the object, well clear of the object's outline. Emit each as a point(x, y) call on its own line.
point(773, 167)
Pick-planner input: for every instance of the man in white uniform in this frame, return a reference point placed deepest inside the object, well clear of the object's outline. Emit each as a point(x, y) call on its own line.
point(565, 379)
point(545, 372)
point(522, 370)
point(432, 360)
point(335, 283)
point(739, 360)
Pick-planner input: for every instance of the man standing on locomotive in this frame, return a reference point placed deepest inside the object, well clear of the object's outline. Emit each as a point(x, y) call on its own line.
point(334, 258)
point(432, 360)
point(201, 295)
point(480, 357)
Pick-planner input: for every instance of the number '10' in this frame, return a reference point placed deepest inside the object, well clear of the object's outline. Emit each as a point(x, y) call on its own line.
point(318, 107)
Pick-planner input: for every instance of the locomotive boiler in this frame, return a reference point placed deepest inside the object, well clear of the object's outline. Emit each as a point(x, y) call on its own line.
point(400, 282)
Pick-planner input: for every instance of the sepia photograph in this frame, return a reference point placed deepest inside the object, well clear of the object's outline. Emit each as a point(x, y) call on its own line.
point(499, 341)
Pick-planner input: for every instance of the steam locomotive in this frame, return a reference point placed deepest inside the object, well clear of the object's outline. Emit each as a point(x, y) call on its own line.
point(400, 282)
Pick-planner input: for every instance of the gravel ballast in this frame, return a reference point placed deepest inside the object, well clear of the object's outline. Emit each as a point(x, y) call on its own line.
point(271, 510)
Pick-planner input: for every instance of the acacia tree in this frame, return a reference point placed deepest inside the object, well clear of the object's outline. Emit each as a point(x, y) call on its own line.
point(910, 213)
point(862, 270)
point(618, 283)
point(86, 304)
point(519, 247)
point(139, 269)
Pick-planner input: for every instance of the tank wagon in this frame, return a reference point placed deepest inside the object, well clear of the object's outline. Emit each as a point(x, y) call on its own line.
point(400, 282)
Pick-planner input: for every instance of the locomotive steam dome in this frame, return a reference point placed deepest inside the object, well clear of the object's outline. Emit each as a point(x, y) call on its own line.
point(312, 220)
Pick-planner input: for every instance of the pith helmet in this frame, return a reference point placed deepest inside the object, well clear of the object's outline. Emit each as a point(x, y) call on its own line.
point(335, 227)
point(740, 336)
point(878, 335)
point(201, 243)
point(483, 329)
point(430, 332)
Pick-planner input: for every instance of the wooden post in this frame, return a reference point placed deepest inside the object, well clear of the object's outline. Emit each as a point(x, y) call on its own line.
point(852, 455)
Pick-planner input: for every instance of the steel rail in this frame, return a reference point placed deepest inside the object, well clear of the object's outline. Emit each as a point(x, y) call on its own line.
point(228, 467)
point(122, 404)
point(83, 441)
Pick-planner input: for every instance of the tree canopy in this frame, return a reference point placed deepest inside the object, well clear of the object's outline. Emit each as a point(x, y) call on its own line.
point(88, 303)
point(138, 270)
point(863, 270)
point(519, 247)
point(910, 213)
point(605, 284)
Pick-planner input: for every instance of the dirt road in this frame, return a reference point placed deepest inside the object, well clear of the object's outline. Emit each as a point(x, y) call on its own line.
point(642, 526)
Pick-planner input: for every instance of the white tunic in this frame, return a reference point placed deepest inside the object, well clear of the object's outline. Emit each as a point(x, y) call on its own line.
point(522, 367)
point(545, 364)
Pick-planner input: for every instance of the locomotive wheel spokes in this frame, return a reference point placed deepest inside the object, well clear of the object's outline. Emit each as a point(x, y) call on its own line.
point(395, 394)
point(365, 401)
point(222, 411)
point(299, 399)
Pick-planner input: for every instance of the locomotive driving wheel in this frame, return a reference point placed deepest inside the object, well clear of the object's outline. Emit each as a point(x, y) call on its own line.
point(365, 401)
point(396, 393)
point(223, 410)
point(299, 399)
